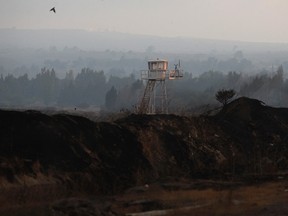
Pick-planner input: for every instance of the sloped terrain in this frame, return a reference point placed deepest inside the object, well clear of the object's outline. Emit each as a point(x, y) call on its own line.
point(48, 157)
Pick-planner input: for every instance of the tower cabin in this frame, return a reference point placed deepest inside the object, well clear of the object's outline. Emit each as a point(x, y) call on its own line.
point(157, 70)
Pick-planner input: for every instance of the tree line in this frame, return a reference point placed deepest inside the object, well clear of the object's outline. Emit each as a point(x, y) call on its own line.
point(87, 88)
point(94, 88)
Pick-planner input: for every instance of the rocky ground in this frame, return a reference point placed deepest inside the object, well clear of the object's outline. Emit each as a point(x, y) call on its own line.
point(69, 165)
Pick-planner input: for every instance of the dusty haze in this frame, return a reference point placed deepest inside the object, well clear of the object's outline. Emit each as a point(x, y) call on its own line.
point(245, 20)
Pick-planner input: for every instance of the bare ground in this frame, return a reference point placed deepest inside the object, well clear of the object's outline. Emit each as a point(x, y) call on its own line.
point(181, 198)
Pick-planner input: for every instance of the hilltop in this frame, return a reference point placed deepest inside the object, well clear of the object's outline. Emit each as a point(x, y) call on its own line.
point(103, 40)
point(52, 155)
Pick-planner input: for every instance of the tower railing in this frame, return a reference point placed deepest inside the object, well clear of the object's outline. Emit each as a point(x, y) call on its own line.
point(175, 74)
point(154, 74)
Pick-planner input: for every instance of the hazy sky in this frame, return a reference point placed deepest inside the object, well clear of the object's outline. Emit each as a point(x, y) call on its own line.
point(246, 20)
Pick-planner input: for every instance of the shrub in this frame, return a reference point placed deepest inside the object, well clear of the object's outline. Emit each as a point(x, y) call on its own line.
point(223, 95)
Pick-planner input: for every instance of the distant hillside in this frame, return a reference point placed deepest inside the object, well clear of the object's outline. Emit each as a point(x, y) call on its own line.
point(100, 41)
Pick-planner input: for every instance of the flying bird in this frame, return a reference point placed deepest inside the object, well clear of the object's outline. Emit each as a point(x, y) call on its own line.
point(53, 9)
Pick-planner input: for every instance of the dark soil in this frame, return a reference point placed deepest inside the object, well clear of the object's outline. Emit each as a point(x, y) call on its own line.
point(44, 158)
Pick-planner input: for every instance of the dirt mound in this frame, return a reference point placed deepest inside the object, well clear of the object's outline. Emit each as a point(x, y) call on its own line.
point(242, 109)
point(259, 132)
point(37, 149)
point(251, 110)
point(66, 149)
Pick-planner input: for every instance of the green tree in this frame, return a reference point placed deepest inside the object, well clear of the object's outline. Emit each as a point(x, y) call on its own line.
point(224, 95)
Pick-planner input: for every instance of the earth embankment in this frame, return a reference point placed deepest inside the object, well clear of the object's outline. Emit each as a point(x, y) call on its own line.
point(72, 153)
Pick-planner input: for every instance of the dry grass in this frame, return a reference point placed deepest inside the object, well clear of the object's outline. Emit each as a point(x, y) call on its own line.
point(243, 200)
point(262, 199)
